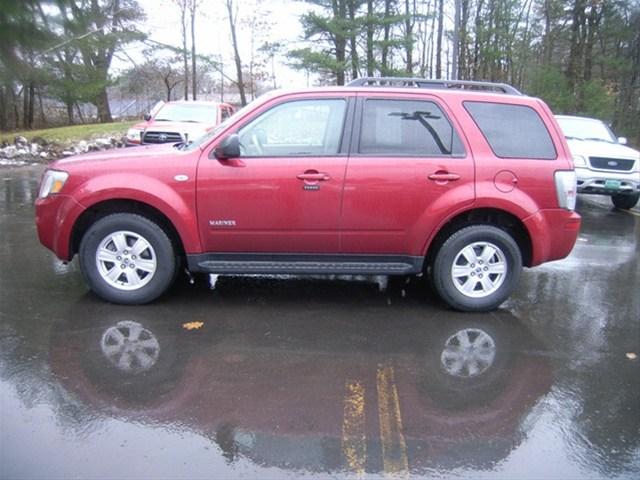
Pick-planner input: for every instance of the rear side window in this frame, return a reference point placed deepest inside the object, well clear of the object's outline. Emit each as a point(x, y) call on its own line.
point(513, 131)
point(407, 127)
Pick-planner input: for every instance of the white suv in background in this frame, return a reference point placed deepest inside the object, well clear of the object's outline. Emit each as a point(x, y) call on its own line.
point(603, 164)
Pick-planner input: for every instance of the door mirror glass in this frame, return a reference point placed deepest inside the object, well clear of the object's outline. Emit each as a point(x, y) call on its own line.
point(229, 147)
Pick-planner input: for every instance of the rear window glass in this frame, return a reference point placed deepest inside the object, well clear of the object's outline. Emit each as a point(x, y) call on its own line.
point(407, 127)
point(513, 131)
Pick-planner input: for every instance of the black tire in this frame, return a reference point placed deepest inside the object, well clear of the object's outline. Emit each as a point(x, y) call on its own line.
point(625, 202)
point(507, 252)
point(161, 251)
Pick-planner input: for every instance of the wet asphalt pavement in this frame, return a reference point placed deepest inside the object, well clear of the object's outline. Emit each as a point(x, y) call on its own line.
point(288, 377)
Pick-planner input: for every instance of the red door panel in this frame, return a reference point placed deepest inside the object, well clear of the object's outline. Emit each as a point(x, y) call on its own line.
point(260, 204)
point(406, 157)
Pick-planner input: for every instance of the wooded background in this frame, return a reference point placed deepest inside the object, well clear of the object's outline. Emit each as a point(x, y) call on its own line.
point(581, 56)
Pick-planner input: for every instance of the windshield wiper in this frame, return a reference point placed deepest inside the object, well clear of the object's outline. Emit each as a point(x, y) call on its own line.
point(598, 139)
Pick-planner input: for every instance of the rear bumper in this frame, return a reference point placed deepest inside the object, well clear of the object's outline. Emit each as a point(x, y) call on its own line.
point(553, 234)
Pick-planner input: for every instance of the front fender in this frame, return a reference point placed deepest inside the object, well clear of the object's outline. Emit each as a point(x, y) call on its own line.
point(175, 200)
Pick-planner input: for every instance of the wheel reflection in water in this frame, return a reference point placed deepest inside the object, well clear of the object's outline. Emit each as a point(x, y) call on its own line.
point(130, 347)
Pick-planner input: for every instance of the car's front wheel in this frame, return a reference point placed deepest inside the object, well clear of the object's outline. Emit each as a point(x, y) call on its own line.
point(625, 202)
point(127, 258)
point(477, 268)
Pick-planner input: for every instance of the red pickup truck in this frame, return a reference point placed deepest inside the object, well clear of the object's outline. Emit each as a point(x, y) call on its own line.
point(465, 181)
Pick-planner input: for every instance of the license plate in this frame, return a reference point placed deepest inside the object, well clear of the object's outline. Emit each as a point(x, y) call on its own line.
point(612, 184)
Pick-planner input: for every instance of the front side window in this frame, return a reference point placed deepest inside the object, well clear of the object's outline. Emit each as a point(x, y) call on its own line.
point(296, 128)
point(407, 127)
point(513, 131)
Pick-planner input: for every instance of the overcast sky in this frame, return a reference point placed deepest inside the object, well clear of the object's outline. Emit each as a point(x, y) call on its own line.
point(213, 36)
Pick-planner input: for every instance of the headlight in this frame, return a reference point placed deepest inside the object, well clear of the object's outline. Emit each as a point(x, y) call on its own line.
point(579, 161)
point(134, 134)
point(52, 182)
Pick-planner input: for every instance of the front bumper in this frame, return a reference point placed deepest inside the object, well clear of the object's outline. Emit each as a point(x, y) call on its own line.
point(595, 182)
point(55, 217)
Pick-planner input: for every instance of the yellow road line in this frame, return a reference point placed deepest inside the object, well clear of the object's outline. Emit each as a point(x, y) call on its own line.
point(394, 448)
point(354, 439)
point(637, 214)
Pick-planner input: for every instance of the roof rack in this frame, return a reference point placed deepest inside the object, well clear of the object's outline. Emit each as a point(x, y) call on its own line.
point(433, 84)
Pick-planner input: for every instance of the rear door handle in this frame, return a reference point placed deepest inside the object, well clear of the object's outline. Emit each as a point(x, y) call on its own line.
point(444, 177)
point(314, 177)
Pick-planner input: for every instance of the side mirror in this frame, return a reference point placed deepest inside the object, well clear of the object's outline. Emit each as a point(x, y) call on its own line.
point(622, 140)
point(229, 147)
point(147, 116)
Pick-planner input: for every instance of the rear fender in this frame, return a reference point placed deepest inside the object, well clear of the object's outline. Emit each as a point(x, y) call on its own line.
point(516, 203)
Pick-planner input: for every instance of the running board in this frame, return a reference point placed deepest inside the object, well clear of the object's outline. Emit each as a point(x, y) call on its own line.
point(305, 264)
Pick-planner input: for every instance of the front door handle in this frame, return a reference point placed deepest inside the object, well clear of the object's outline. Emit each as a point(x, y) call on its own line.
point(444, 177)
point(314, 177)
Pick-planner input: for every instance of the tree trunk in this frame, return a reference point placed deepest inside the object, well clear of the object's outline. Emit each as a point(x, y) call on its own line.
point(547, 40)
point(194, 79)
point(384, 68)
point(70, 117)
point(236, 53)
point(185, 55)
point(408, 36)
point(576, 45)
point(355, 62)
point(478, 40)
point(370, 57)
point(593, 23)
point(43, 119)
point(340, 41)
point(455, 55)
point(439, 39)
point(102, 104)
point(25, 107)
point(30, 106)
point(3, 110)
point(463, 56)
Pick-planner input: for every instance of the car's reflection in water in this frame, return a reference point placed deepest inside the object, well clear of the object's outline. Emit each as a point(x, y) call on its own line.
point(400, 390)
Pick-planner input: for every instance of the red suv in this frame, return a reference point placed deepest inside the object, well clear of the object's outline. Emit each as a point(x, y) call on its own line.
point(466, 181)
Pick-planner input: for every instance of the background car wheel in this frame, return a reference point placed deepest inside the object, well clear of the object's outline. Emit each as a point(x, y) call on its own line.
point(477, 268)
point(625, 202)
point(127, 258)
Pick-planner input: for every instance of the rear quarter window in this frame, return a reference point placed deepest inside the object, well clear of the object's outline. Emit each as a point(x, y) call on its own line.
point(512, 131)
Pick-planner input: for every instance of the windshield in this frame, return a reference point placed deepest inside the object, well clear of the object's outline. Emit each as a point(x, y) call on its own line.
point(184, 112)
point(586, 129)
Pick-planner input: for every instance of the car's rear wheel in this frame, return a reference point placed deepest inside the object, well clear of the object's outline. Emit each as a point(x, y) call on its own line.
point(127, 258)
point(625, 202)
point(477, 268)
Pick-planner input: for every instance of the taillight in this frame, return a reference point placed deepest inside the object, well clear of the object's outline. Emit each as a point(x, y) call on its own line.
point(566, 189)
